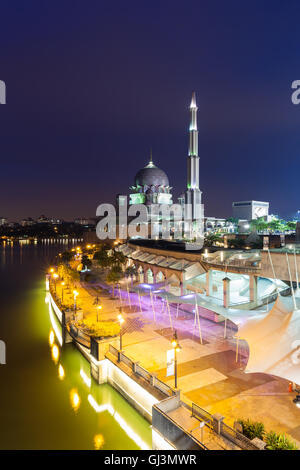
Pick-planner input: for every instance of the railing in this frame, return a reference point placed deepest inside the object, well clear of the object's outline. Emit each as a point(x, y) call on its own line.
point(226, 431)
point(199, 413)
point(185, 431)
point(238, 265)
point(140, 371)
point(237, 438)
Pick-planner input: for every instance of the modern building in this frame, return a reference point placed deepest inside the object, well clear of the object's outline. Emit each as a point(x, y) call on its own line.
point(3, 221)
point(250, 210)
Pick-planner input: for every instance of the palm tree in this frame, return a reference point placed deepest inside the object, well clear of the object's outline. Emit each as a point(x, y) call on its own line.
point(131, 271)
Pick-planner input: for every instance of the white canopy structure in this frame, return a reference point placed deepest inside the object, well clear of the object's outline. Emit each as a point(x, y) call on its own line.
point(274, 341)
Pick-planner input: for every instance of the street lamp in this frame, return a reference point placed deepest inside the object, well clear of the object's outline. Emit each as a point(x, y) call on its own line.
point(121, 321)
point(176, 346)
point(55, 276)
point(62, 291)
point(75, 296)
point(99, 307)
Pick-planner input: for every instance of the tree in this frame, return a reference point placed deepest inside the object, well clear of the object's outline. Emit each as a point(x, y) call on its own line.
point(102, 256)
point(67, 256)
point(131, 271)
point(114, 276)
point(117, 258)
point(291, 225)
point(277, 225)
point(259, 225)
point(86, 262)
point(212, 238)
point(232, 220)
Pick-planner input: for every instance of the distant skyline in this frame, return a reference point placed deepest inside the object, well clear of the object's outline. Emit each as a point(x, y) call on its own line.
point(91, 88)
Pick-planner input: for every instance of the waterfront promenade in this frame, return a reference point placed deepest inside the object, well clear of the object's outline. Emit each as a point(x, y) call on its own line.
point(210, 374)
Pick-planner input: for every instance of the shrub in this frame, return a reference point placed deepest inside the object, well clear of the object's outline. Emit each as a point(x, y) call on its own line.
point(252, 429)
point(104, 328)
point(276, 441)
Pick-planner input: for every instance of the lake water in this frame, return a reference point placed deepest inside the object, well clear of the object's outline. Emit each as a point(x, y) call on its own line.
point(47, 398)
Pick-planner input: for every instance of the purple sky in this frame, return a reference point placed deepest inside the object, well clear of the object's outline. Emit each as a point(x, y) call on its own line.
point(91, 86)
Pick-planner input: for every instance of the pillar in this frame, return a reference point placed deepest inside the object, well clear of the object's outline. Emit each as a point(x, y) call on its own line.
point(226, 292)
point(182, 284)
point(209, 282)
point(145, 276)
point(253, 288)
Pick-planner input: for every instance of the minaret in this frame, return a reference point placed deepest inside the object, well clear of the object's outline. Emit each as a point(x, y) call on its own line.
point(193, 194)
point(193, 159)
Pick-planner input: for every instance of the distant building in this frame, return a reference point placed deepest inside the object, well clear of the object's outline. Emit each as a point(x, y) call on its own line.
point(43, 220)
point(3, 221)
point(27, 222)
point(84, 221)
point(250, 210)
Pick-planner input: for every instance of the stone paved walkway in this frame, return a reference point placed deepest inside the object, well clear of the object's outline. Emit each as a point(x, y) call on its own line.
point(208, 373)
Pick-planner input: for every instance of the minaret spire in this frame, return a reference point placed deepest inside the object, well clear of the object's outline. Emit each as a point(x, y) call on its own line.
point(193, 194)
point(193, 148)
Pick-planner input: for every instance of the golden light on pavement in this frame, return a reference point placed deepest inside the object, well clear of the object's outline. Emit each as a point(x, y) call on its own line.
point(98, 441)
point(55, 353)
point(61, 372)
point(75, 399)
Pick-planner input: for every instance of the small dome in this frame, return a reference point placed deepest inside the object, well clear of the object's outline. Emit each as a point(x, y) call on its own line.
point(150, 175)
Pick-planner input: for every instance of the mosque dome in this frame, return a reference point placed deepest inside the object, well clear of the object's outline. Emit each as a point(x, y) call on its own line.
point(151, 175)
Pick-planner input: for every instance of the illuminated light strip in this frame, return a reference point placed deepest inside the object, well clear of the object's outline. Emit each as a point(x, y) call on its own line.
point(144, 392)
point(54, 326)
point(161, 442)
point(56, 309)
point(129, 431)
point(100, 408)
point(87, 380)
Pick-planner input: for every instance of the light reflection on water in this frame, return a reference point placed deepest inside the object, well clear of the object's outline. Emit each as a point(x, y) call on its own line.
point(45, 389)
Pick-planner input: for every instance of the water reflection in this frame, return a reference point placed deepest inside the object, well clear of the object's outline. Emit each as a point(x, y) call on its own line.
point(75, 399)
point(98, 441)
point(61, 372)
point(34, 336)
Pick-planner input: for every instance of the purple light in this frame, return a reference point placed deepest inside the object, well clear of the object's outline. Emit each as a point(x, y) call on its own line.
point(146, 286)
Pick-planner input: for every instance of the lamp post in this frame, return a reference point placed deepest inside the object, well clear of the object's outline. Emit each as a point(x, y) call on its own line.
point(121, 321)
point(62, 291)
point(75, 296)
point(176, 346)
point(99, 307)
point(55, 276)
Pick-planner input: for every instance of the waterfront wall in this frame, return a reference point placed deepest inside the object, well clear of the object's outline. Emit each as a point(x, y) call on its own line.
point(164, 426)
point(106, 371)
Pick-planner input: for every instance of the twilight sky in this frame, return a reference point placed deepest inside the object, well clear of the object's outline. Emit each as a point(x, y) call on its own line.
point(92, 85)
